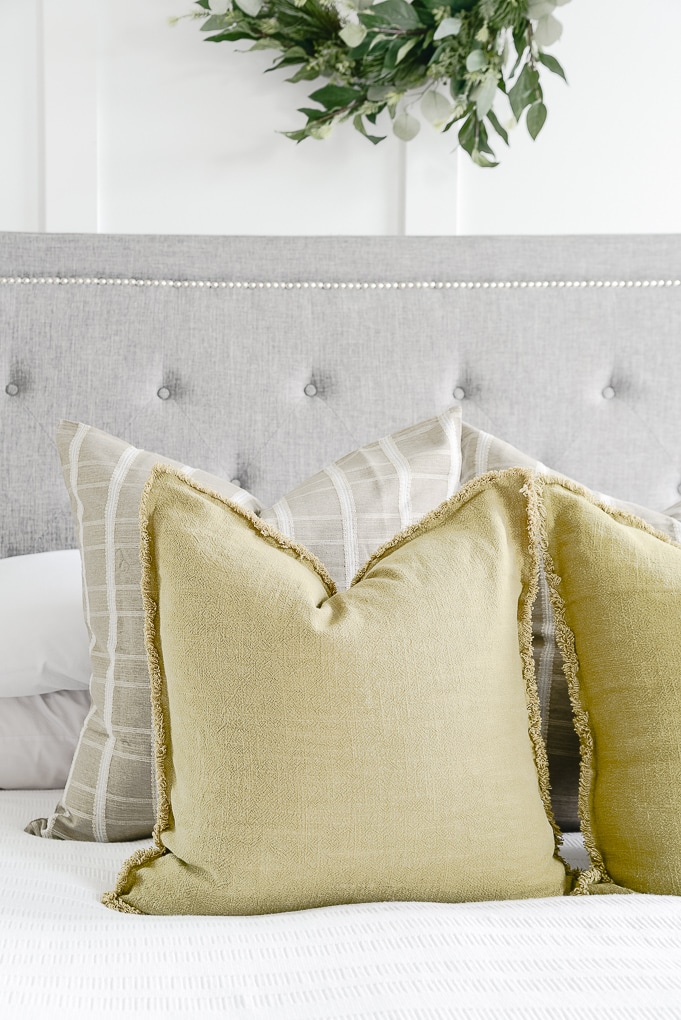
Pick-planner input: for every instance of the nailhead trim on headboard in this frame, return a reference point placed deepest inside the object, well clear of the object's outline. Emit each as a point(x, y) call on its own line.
point(335, 285)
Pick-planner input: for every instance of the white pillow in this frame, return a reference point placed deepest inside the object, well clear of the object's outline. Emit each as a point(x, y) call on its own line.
point(38, 737)
point(43, 638)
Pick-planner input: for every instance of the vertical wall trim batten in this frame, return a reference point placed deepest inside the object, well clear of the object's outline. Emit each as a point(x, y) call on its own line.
point(40, 113)
point(401, 188)
point(69, 115)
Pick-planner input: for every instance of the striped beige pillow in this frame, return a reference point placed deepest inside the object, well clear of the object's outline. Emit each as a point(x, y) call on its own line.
point(342, 514)
point(483, 452)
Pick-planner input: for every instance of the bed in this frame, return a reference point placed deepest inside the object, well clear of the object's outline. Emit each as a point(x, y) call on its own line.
point(263, 359)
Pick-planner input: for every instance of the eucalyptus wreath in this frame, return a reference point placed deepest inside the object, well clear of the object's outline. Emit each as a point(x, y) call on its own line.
point(448, 59)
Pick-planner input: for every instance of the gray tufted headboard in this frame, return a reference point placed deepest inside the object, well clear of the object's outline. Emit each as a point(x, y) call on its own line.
point(264, 358)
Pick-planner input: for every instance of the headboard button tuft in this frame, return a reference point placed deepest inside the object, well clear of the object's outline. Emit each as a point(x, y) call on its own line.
point(236, 481)
point(608, 393)
point(163, 393)
point(310, 390)
point(11, 389)
point(459, 393)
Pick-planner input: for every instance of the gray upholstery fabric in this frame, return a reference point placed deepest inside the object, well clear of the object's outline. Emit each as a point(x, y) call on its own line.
point(529, 363)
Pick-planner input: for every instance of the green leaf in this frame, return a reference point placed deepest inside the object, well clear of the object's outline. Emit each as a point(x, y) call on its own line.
point(390, 55)
point(250, 7)
point(331, 97)
point(540, 8)
point(320, 131)
point(297, 136)
point(476, 60)
point(213, 24)
point(436, 109)
point(442, 48)
point(312, 113)
point(525, 91)
point(450, 26)
point(234, 35)
point(550, 61)
point(456, 88)
point(406, 127)
point(359, 125)
point(450, 124)
point(395, 13)
point(352, 35)
point(361, 51)
point(484, 96)
point(467, 134)
point(293, 54)
point(483, 141)
point(397, 51)
point(204, 4)
point(481, 160)
point(516, 65)
point(494, 121)
point(378, 39)
point(454, 5)
point(404, 49)
point(304, 74)
point(520, 42)
point(377, 93)
point(536, 116)
point(548, 31)
point(265, 44)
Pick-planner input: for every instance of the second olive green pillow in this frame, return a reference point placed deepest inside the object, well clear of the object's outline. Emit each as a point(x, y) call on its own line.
point(318, 748)
point(616, 588)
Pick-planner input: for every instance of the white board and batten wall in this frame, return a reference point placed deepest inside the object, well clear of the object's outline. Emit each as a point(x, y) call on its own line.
point(112, 121)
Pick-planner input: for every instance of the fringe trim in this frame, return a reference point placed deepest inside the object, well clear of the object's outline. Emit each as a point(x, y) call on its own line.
point(598, 873)
point(112, 901)
point(593, 882)
point(619, 515)
point(531, 492)
point(587, 880)
point(266, 530)
point(530, 489)
point(159, 723)
point(440, 514)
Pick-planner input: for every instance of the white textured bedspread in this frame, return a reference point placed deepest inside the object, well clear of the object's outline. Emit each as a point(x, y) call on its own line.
point(62, 954)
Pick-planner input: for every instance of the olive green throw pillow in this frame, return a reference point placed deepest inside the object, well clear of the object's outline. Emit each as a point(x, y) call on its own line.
point(317, 748)
point(482, 452)
point(616, 588)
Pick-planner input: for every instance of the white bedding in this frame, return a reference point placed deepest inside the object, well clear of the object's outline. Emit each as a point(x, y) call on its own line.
point(62, 954)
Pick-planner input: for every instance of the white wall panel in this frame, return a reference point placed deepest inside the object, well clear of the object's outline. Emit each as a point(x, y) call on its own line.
point(20, 120)
point(608, 158)
point(70, 115)
point(189, 140)
point(114, 121)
